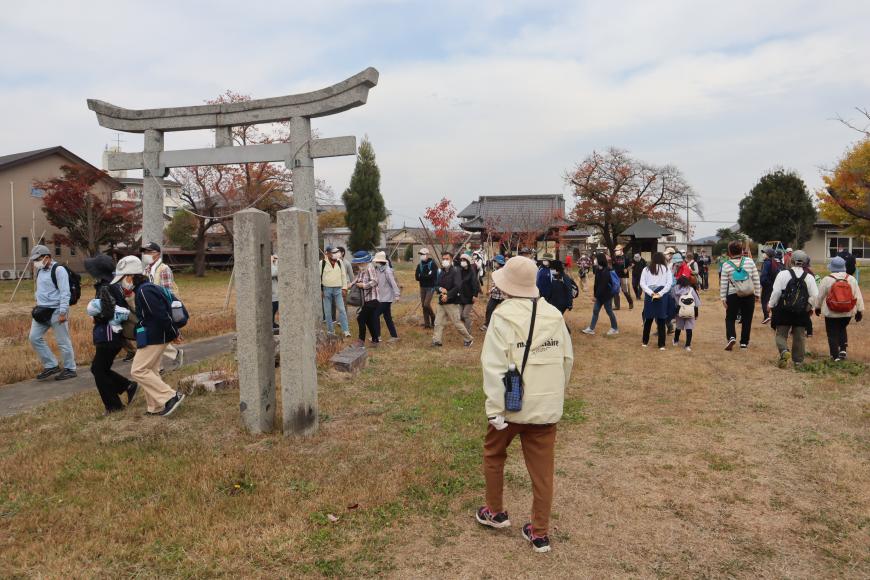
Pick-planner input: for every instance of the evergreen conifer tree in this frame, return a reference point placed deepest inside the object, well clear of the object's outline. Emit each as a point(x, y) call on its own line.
point(363, 201)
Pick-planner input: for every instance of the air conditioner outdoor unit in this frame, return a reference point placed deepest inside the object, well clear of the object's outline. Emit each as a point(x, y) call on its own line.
point(26, 274)
point(7, 274)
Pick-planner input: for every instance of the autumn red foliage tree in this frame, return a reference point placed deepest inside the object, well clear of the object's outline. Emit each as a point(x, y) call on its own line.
point(613, 190)
point(89, 221)
point(442, 217)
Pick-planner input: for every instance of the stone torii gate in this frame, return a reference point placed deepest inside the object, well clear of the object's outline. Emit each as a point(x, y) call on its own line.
point(299, 288)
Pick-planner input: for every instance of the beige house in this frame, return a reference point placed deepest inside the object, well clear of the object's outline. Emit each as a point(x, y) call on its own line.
point(827, 240)
point(22, 222)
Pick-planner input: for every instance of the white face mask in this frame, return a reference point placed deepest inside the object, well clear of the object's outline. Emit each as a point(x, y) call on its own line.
point(126, 285)
point(147, 259)
point(464, 265)
point(545, 263)
point(446, 263)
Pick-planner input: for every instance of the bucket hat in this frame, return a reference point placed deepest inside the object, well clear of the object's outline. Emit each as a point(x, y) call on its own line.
point(518, 278)
point(127, 266)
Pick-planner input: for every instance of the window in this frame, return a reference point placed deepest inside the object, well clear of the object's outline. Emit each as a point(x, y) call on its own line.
point(72, 251)
point(836, 240)
point(36, 192)
point(25, 247)
point(56, 249)
point(861, 247)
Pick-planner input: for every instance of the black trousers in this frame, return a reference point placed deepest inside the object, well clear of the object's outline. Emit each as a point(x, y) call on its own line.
point(745, 307)
point(766, 291)
point(385, 310)
point(274, 312)
point(109, 383)
point(838, 339)
point(368, 319)
point(490, 308)
point(660, 325)
point(705, 280)
point(688, 336)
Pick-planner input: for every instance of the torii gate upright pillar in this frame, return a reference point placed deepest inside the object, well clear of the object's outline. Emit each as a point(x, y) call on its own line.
point(152, 189)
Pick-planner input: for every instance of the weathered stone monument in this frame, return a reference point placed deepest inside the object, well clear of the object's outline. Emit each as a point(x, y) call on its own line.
point(299, 286)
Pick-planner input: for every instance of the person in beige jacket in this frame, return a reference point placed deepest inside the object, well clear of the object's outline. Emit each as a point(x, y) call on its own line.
point(836, 322)
point(547, 372)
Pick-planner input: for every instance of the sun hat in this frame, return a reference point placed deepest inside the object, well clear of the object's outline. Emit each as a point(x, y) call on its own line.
point(670, 251)
point(518, 278)
point(838, 264)
point(465, 257)
point(380, 258)
point(548, 256)
point(100, 267)
point(677, 259)
point(424, 252)
point(128, 266)
point(799, 257)
point(361, 257)
point(499, 259)
point(38, 252)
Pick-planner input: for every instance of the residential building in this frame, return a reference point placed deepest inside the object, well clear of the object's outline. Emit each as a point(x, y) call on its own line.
point(132, 191)
point(828, 237)
point(22, 221)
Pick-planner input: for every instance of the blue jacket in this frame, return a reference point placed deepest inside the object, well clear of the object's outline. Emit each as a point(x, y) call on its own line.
point(49, 295)
point(155, 314)
point(544, 282)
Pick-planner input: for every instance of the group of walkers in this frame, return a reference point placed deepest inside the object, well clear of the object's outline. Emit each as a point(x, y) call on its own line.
point(146, 329)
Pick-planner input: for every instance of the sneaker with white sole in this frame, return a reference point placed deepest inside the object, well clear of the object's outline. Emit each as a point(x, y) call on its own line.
point(588, 331)
point(540, 544)
point(731, 343)
point(612, 332)
point(486, 517)
point(172, 405)
point(688, 349)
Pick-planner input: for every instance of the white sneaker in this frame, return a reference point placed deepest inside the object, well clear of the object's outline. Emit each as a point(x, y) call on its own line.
point(676, 343)
point(688, 349)
point(588, 331)
point(644, 345)
point(661, 348)
point(612, 332)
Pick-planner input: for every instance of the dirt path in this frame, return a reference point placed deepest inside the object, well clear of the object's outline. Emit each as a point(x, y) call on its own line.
point(701, 464)
point(27, 395)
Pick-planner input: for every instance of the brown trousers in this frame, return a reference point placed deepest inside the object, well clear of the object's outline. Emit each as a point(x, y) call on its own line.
point(146, 371)
point(539, 444)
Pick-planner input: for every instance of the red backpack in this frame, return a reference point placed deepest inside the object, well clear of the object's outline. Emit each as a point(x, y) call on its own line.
point(840, 297)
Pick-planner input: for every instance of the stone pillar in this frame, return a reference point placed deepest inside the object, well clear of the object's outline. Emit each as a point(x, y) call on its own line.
point(255, 347)
point(304, 198)
point(152, 190)
point(298, 341)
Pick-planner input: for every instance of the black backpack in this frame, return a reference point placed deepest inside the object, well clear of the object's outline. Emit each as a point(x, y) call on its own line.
point(796, 298)
point(75, 282)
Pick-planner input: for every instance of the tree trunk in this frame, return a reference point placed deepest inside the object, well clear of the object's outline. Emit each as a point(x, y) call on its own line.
point(199, 247)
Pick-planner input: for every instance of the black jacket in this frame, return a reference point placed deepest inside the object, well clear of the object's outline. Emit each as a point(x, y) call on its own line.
point(602, 285)
point(470, 285)
point(637, 271)
point(155, 314)
point(561, 293)
point(451, 281)
point(102, 333)
point(426, 274)
point(850, 262)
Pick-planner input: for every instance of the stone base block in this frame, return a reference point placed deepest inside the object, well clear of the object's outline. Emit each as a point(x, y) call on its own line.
point(350, 360)
point(208, 382)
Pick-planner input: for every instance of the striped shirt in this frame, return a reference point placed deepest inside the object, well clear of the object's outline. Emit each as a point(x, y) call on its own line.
point(726, 287)
point(367, 278)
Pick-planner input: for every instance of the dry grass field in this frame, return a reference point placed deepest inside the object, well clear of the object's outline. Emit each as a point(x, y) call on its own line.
point(205, 296)
point(669, 464)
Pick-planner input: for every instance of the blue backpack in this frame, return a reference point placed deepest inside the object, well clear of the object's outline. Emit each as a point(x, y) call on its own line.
point(614, 283)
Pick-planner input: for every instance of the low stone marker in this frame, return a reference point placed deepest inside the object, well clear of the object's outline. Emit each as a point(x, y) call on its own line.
point(350, 360)
point(209, 382)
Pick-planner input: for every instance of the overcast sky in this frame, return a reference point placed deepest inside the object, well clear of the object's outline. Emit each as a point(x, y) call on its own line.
point(475, 98)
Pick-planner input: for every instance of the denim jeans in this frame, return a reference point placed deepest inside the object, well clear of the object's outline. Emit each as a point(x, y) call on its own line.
point(607, 308)
point(333, 296)
point(61, 335)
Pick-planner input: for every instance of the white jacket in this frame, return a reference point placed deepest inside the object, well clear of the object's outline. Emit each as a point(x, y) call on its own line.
point(547, 371)
point(825, 287)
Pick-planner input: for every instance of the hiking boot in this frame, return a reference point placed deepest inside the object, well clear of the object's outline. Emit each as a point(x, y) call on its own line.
point(784, 359)
point(47, 373)
point(540, 544)
point(612, 332)
point(588, 331)
point(731, 343)
point(842, 355)
point(129, 357)
point(468, 342)
point(486, 517)
point(65, 374)
point(171, 405)
point(132, 390)
point(436, 343)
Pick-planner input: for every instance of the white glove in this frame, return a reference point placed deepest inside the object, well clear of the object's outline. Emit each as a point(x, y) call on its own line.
point(498, 422)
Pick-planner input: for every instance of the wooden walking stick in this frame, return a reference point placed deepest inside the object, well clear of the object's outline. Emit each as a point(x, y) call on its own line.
point(20, 278)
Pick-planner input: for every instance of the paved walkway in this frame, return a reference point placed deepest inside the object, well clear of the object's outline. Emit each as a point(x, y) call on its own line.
point(26, 395)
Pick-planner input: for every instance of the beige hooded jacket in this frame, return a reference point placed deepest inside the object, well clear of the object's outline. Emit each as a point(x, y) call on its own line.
point(548, 369)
